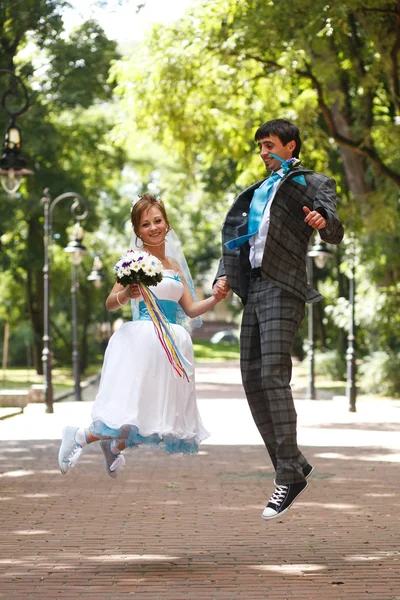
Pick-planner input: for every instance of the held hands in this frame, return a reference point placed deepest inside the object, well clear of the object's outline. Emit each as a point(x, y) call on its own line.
point(221, 288)
point(314, 219)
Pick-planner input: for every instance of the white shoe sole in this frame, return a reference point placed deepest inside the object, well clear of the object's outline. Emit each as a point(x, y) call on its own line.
point(62, 463)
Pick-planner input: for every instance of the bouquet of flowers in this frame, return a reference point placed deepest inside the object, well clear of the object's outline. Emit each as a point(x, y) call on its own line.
point(146, 270)
point(138, 267)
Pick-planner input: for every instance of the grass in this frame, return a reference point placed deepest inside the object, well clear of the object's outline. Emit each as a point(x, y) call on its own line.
point(22, 378)
point(205, 351)
point(300, 375)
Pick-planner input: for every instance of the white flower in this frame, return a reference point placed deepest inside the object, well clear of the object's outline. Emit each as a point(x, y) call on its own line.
point(149, 270)
point(158, 267)
point(136, 261)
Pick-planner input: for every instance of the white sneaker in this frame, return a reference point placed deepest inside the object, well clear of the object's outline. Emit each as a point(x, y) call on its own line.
point(70, 450)
point(113, 462)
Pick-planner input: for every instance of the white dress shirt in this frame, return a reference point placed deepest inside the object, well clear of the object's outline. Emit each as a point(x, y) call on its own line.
point(258, 240)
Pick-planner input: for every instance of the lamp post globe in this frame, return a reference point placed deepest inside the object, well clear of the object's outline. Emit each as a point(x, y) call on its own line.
point(320, 253)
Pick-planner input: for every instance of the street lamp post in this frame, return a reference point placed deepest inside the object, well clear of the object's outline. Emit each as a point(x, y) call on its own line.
point(351, 386)
point(96, 274)
point(12, 165)
point(76, 249)
point(49, 205)
point(310, 349)
point(318, 253)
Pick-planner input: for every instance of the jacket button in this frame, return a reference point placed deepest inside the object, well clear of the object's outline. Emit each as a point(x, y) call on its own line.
point(244, 214)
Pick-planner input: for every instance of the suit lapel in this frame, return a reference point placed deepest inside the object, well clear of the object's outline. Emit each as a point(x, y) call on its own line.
point(292, 173)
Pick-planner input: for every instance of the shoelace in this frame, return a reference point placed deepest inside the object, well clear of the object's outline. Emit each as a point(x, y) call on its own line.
point(118, 464)
point(74, 456)
point(279, 495)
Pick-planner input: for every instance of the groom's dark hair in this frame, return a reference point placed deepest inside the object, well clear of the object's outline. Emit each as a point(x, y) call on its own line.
point(284, 130)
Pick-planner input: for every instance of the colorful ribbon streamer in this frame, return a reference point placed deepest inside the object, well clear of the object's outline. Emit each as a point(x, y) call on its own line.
point(164, 332)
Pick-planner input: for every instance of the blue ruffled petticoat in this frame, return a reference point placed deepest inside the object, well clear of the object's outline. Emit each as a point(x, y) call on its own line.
point(130, 434)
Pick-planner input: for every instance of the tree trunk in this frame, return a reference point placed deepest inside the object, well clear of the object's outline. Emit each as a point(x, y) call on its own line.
point(353, 163)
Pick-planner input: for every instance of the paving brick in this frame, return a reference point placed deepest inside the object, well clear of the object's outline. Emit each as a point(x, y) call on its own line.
point(173, 528)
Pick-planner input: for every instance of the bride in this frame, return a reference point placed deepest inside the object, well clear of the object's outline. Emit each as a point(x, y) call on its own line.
point(140, 399)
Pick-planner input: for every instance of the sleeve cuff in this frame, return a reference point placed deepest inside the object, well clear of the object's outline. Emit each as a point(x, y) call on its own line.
point(322, 212)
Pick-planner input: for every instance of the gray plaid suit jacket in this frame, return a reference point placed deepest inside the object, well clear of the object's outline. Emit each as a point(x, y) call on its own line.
point(284, 258)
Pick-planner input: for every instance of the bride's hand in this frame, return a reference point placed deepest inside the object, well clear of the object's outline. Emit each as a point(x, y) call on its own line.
point(132, 291)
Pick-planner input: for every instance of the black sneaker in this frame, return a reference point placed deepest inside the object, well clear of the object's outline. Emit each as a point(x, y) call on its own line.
point(307, 471)
point(282, 499)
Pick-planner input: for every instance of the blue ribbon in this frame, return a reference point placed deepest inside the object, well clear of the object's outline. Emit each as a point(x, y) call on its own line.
point(261, 197)
point(168, 307)
point(285, 166)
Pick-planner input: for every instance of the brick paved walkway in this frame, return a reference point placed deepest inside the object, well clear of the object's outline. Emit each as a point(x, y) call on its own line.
point(172, 528)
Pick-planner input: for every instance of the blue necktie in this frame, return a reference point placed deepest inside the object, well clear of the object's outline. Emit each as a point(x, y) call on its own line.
point(259, 201)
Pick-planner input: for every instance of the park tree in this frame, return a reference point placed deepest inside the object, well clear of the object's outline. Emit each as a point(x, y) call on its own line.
point(200, 87)
point(203, 83)
point(66, 136)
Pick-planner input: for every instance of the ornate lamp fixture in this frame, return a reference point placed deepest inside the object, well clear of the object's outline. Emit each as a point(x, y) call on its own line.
point(320, 253)
point(12, 165)
point(97, 275)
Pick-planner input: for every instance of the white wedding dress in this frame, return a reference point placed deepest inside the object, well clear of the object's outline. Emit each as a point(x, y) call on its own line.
point(140, 399)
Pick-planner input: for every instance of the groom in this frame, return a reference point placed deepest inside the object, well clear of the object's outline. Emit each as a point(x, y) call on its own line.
point(265, 240)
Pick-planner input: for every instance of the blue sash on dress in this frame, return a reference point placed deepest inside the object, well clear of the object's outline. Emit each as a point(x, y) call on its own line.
point(169, 308)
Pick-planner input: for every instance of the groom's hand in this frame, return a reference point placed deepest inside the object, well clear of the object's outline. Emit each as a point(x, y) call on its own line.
point(314, 219)
point(221, 288)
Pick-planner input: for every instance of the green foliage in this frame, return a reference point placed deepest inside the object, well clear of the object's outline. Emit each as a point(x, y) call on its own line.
point(201, 87)
point(379, 373)
point(78, 72)
point(191, 98)
point(331, 365)
point(207, 352)
point(20, 345)
point(66, 134)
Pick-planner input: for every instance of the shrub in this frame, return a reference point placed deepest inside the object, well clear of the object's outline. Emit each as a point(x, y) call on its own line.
point(379, 373)
point(331, 364)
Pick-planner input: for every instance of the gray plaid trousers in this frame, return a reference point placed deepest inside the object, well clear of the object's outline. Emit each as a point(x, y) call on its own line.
point(270, 321)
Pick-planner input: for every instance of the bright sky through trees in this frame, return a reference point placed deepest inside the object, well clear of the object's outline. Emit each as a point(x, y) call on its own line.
point(123, 22)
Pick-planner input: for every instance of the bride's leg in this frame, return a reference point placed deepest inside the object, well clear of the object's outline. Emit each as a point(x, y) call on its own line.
point(74, 439)
point(90, 438)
